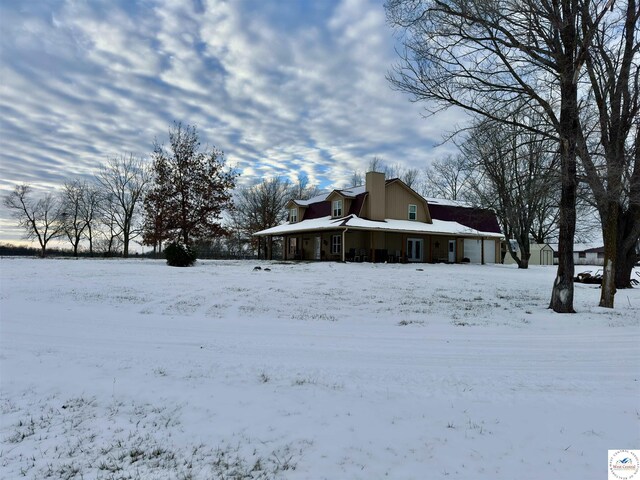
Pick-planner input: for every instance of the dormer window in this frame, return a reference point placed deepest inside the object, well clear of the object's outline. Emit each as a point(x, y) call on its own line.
point(413, 212)
point(293, 215)
point(336, 208)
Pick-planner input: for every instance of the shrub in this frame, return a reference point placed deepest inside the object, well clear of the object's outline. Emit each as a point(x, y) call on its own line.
point(179, 255)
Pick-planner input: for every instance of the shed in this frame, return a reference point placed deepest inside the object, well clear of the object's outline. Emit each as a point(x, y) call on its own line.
point(541, 254)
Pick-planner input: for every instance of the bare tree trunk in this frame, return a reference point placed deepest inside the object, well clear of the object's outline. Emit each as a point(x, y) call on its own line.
point(562, 292)
point(125, 241)
point(626, 253)
point(624, 269)
point(90, 238)
point(609, 235)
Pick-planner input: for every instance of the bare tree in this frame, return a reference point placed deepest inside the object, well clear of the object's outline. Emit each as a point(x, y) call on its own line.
point(608, 146)
point(74, 221)
point(357, 179)
point(40, 218)
point(302, 190)
point(410, 176)
point(123, 181)
point(262, 206)
point(376, 164)
point(90, 212)
point(448, 177)
point(515, 174)
point(505, 56)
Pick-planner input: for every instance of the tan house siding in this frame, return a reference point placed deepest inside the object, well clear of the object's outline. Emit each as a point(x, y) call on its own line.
point(398, 200)
point(356, 239)
point(394, 243)
point(440, 248)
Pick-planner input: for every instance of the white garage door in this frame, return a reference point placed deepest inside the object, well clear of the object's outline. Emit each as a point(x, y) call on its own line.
point(489, 251)
point(472, 250)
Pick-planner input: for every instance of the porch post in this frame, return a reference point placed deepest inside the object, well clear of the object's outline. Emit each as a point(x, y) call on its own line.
point(430, 249)
point(344, 238)
point(482, 249)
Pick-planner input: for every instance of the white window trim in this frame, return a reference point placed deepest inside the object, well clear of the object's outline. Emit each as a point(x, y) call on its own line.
point(293, 215)
point(415, 213)
point(336, 208)
point(336, 244)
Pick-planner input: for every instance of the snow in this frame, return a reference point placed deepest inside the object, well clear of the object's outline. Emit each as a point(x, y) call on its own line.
point(353, 191)
point(132, 369)
point(318, 198)
point(441, 227)
point(450, 203)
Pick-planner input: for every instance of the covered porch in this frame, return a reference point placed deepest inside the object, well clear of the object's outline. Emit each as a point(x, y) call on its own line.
point(360, 245)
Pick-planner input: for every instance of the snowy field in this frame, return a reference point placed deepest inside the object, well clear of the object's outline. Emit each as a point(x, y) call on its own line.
point(114, 369)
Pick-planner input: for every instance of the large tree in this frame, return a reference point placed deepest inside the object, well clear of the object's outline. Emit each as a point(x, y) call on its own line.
point(155, 226)
point(41, 218)
point(90, 211)
point(194, 187)
point(74, 220)
point(608, 145)
point(492, 56)
point(122, 182)
point(261, 206)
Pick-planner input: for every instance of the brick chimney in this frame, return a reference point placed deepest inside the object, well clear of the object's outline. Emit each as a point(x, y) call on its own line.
point(375, 186)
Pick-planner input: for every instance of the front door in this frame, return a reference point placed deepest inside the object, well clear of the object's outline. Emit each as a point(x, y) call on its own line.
point(318, 246)
point(414, 249)
point(452, 251)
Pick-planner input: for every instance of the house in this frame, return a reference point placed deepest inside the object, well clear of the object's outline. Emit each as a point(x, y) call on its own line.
point(386, 221)
point(541, 254)
point(583, 253)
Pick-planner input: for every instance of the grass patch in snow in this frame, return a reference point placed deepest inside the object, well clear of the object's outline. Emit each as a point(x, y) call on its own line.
point(81, 439)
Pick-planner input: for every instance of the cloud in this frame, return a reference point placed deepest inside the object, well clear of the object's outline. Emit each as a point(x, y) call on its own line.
point(281, 87)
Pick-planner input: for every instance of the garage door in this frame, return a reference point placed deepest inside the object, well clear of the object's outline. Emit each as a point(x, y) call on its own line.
point(489, 251)
point(472, 250)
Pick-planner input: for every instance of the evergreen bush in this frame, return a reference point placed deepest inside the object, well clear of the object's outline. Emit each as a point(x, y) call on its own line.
point(179, 255)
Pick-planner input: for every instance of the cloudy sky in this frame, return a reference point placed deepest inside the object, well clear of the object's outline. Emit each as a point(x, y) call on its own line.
point(284, 87)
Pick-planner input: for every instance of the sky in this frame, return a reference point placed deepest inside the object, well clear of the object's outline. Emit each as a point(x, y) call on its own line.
point(288, 88)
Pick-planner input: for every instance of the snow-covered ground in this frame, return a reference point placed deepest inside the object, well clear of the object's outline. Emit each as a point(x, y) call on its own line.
point(131, 369)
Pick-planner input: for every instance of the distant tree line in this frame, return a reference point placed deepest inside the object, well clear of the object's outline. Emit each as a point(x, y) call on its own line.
point(179, 196)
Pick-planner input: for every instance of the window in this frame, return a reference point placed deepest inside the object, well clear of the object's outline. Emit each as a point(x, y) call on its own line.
point(413, 212)
point(293, 243)
point(336, 243)
point(582, 254)
point(336, 208)
point(293, 215)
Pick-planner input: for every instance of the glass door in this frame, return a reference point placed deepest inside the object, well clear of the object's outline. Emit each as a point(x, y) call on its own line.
point(414, 249)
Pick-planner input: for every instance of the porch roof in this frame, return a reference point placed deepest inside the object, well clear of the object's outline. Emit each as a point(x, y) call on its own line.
point(353, 222)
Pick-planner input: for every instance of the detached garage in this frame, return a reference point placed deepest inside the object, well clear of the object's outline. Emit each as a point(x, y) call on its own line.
point(473, 250)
